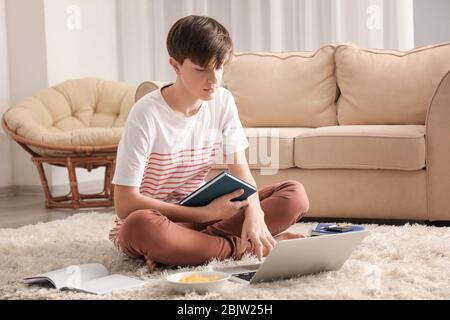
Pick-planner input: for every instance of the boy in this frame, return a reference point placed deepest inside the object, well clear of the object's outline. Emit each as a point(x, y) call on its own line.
point(169, 142)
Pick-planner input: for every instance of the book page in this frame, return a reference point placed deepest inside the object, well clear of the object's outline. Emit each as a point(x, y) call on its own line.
point(71, 276)
point(110, 283)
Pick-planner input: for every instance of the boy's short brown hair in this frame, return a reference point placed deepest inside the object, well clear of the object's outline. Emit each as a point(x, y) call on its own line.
point(202, 39)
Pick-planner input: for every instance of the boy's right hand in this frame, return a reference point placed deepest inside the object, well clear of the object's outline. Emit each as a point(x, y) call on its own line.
point(222, 207)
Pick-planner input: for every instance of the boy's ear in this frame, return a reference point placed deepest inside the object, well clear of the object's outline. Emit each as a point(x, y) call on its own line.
point(175, 65)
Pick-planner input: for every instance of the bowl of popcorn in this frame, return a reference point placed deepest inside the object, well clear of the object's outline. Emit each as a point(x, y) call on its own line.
point(200, 281)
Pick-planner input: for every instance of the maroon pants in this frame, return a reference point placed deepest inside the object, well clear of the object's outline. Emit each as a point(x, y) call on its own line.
point(149, 234)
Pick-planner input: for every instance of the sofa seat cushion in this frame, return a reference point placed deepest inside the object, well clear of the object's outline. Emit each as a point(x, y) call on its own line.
point(268, 148)
point(396, 147)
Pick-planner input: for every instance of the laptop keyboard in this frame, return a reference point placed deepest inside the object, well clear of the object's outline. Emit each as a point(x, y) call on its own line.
point(246, 276)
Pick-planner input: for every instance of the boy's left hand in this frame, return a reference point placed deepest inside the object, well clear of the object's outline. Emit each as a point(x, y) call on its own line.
point(255, 229)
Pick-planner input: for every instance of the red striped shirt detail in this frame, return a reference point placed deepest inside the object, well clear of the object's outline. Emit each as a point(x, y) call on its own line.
point(172, 176)
point(186, 150)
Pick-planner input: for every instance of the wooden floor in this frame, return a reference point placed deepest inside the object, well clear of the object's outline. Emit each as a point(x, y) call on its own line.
point(20, 210)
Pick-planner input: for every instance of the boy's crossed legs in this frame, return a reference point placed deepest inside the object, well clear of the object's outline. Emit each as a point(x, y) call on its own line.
point(150, 234)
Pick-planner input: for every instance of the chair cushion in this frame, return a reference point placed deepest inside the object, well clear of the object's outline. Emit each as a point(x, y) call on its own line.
point(290, 89)
point(388, 86)
point(268, 148)
point(88, 111)
point(396, 147)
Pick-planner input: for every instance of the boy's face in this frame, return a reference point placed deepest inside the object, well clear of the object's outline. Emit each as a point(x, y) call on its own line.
point(202, 83)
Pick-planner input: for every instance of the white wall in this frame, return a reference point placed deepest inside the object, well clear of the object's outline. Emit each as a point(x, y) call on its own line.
point(431, 22)
point(27, 69)
point(6, 176)
point(81, 41)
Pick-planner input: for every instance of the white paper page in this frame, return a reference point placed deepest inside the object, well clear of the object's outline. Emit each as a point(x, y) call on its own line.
point(71, 276)
point(110, 283)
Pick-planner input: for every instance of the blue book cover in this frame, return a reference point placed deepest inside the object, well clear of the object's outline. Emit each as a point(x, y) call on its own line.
point(333, 228)
point(220, 185)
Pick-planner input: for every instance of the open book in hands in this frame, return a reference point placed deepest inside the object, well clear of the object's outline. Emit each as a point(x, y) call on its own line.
point(90, 278)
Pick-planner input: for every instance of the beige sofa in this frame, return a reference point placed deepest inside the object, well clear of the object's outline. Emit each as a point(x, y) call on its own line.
point(366, 131)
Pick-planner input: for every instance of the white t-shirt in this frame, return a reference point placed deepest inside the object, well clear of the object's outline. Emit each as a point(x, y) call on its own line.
point(168, 155)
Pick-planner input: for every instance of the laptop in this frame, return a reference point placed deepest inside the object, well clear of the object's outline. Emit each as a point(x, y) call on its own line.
point(302, 256)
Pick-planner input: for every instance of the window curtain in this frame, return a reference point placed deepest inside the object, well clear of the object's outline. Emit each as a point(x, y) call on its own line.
point(260, 25)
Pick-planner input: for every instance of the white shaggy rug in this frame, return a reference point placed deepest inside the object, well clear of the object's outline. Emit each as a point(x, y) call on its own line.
point(407, 262)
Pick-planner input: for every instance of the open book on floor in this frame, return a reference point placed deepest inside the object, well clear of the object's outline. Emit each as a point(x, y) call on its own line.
point(90, 277)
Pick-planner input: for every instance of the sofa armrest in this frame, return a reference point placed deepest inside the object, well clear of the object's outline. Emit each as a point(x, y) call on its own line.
point(438, 152)
point(147, 87)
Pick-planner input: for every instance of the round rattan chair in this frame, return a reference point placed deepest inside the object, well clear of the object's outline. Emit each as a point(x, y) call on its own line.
point(75, 124)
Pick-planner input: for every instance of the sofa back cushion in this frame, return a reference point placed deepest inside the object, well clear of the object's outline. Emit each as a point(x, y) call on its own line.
point(388, 86)
point(289, 89)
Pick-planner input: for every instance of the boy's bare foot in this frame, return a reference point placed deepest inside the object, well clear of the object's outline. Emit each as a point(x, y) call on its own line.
point(288, 235)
